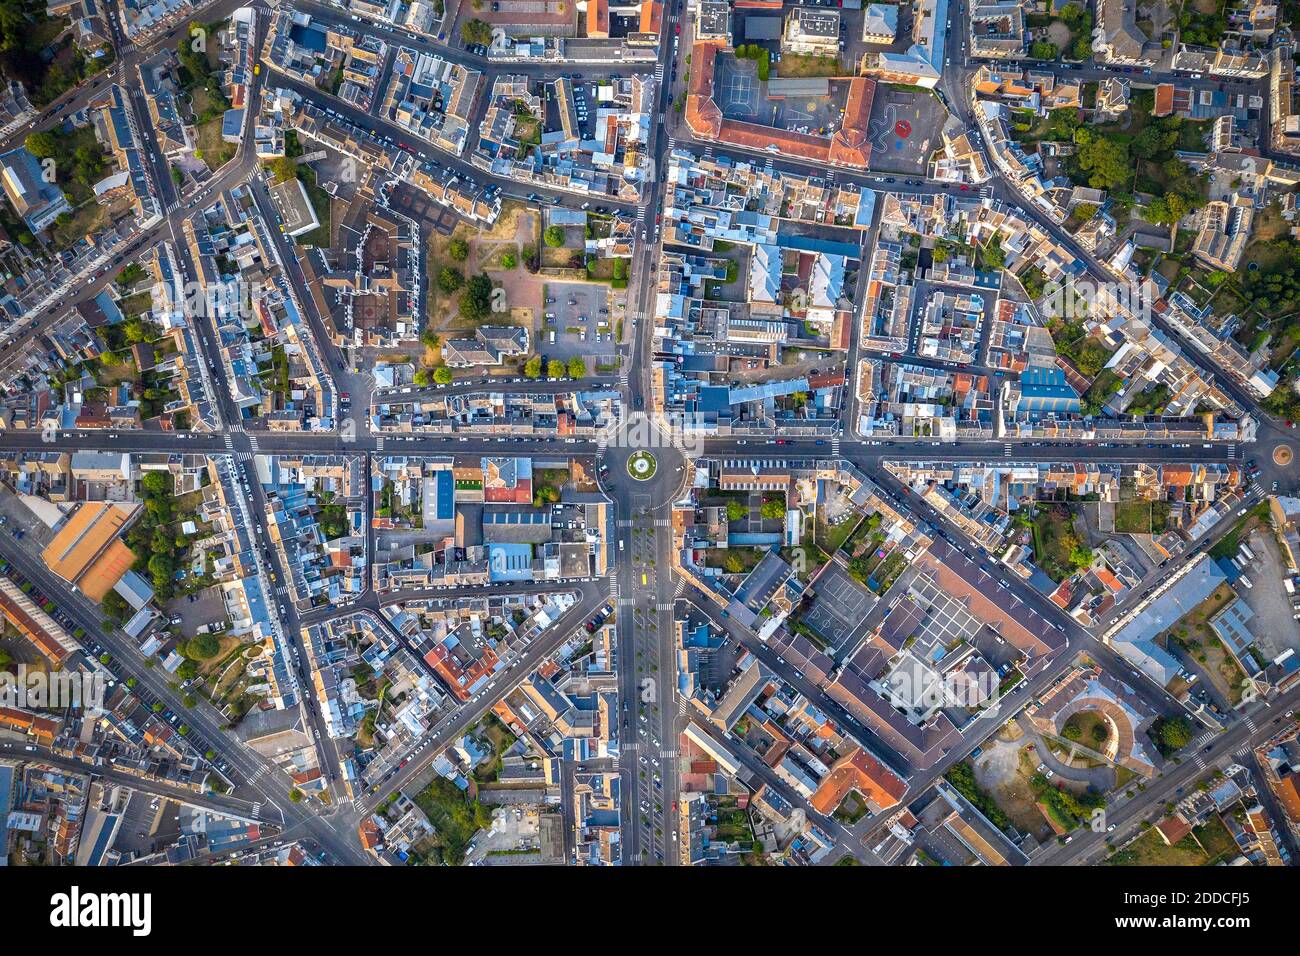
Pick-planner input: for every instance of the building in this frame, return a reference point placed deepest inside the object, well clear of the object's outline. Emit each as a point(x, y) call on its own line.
point(295, 208)
point(880, 23)
point(87, 551)
point(812, 31)
point(38, 201)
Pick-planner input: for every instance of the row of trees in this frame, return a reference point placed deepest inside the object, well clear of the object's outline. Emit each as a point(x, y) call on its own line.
point(576, 368)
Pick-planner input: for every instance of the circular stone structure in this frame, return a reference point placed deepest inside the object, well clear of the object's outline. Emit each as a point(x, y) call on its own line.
point(1283, 455)
point(641, 465)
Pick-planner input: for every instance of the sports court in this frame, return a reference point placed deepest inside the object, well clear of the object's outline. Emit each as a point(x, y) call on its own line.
point(737, 89)
point(840, 609)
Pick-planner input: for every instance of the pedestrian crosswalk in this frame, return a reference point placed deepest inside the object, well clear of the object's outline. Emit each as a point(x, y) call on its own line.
point(835, 446)
point(669, 754)
point(681, 587)
point(252, 441)
point(230, 441)
point(257, 810)
point(1250, 722)
point(659, 72)
point(1006, 449)
point(1232, 451)
point(379, 443)
point(986, 192)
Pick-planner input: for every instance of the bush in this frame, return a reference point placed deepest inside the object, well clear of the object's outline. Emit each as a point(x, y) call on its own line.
point(450, 279)
point(458, 249)
point(553, 237)
point(203, 646)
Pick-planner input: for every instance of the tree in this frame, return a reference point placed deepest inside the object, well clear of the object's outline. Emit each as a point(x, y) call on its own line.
point(458, 249)
point(476, 31)
point(295, 795)
point(1175, 733)
point(42, 145)
point(450, 279)
point(533, 367)
point(442, 375)
point(283, 169)
point(156, 483)
point(555, 369)
point(509, 260)
point(553, 236)
point(476, 300)
point(423, 377)
point(1166, 210)
point(115, 607)
point(736, 510)
point(1105, 160)
point(773, 509)
point(1042, 50)
point(577, 367)
point(1081, 556)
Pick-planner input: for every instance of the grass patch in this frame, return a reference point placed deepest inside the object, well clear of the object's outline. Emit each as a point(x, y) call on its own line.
point(455, 816)
point(1141, 517)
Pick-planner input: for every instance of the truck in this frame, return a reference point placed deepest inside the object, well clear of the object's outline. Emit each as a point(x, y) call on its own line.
point(1289, 585)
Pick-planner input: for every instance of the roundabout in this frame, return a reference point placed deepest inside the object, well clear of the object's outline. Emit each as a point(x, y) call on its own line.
point(641, 465)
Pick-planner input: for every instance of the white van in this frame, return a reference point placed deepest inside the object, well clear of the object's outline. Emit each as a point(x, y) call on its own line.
point(1246, 581)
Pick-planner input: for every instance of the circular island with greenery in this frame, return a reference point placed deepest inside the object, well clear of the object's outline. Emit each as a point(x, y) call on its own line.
point(641, 465)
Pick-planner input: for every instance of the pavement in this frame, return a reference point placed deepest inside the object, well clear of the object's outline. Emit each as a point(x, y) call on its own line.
point(647, 597)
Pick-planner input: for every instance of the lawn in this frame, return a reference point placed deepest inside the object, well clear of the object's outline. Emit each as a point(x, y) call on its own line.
point(1141, 517)
point(808, 64)
point(1207, 845)
point(733, 560)
point(852, 809)
point(830, 538)
point(212, 149)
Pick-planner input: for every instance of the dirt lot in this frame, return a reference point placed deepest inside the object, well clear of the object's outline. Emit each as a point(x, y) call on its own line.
point(998, 772)
point(515, 230)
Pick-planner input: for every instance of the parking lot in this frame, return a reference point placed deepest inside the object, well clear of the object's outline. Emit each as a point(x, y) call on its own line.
point(579, 315)
point(197, 609)
point(839, 611)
